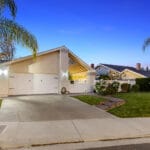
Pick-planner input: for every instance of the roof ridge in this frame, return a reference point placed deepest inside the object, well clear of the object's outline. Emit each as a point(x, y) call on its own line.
point(118, 65)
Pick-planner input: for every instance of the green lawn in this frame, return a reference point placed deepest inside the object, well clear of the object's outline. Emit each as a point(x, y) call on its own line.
point(137, 105)
point(90, 99)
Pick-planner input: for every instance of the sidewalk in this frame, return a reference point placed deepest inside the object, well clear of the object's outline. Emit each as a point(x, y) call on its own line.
point(26, 134)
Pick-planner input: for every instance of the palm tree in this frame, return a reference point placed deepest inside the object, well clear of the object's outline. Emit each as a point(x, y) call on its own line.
point(7, 50)
point(146, 43)
point(12, 31)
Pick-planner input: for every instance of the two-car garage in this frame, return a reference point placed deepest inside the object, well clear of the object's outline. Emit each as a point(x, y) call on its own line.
point(49, 73)
point(32, 84)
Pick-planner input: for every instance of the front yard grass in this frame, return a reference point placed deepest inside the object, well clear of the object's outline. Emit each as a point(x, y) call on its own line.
point(90, 99)
point(137, 105)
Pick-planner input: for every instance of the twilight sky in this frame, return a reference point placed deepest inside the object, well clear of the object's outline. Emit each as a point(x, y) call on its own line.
point(98, 31)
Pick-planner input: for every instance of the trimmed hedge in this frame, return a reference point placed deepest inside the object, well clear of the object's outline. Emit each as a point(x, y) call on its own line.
point(144, 84)
point(135, 88)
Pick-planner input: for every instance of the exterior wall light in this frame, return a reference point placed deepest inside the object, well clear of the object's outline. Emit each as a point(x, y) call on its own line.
point(4, 72)
point(1, 72)
point(65, 74)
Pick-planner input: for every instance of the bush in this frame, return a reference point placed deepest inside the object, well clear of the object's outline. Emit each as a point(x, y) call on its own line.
point(125, 87)
point(135, 88)
point(115, 86)
point(100, 87)
point(144, 84)
point(104, 88)
point(104, 77)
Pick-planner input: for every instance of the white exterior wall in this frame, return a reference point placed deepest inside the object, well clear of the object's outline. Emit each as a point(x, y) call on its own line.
point(63, 69)
point(78, 87)
point(91, 80)
point(4, 81)
point(84, 86)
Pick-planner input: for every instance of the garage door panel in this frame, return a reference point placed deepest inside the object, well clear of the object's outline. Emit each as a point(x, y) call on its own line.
point(20, 84)
point(33, 84)
point(45, 83)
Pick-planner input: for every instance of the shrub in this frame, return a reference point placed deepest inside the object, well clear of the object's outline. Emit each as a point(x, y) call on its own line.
point(115, 86)
point(104, 77)
point(135, 88)
point(100, 87)
point(144, 84)
point(104, 88)
point(125, 87)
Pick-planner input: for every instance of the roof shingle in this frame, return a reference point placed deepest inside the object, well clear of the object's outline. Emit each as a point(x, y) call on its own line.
point(121, 68)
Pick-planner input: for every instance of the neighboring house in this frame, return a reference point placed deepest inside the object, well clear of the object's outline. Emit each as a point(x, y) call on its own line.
point(47, 74)
point(123, 72)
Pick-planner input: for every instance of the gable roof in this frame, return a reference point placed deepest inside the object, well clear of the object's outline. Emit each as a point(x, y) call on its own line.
point(120, 68)
point(47, 52)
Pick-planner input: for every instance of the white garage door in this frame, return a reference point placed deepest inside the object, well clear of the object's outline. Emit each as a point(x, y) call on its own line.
point(33, 84)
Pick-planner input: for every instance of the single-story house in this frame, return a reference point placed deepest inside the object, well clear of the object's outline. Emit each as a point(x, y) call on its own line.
point(125, 72)
point(48, 73)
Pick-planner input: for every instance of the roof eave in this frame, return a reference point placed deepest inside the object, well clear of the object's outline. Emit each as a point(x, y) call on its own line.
point(38, 54)
point(109, 67)
point(135, 72)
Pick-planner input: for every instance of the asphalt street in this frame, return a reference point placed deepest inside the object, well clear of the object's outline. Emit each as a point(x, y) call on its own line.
point(125, 147)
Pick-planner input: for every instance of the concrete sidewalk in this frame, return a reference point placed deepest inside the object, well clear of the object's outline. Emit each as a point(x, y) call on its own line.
point(26, 134)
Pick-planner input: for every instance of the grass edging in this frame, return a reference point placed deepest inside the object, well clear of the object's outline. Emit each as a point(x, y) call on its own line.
point(90, 99)
point(136, 104)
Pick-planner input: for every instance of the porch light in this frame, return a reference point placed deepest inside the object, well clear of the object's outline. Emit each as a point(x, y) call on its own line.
point(65, 74)
point(4, 72)
point(1, 72)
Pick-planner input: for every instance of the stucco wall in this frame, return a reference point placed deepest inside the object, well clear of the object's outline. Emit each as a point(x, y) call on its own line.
point(48, 63)
point(3, 86)
point(63, 66)
point(4, 82)
point(20, 67)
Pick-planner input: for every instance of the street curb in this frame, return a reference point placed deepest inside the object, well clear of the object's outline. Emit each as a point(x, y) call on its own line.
point(73, 142)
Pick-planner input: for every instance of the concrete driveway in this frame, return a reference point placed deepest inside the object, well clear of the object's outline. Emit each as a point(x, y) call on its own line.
point(47, 108)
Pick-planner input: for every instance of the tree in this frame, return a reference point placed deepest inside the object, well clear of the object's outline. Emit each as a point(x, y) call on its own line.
point(146, 43)
point(11, 32)
point(7, 50)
